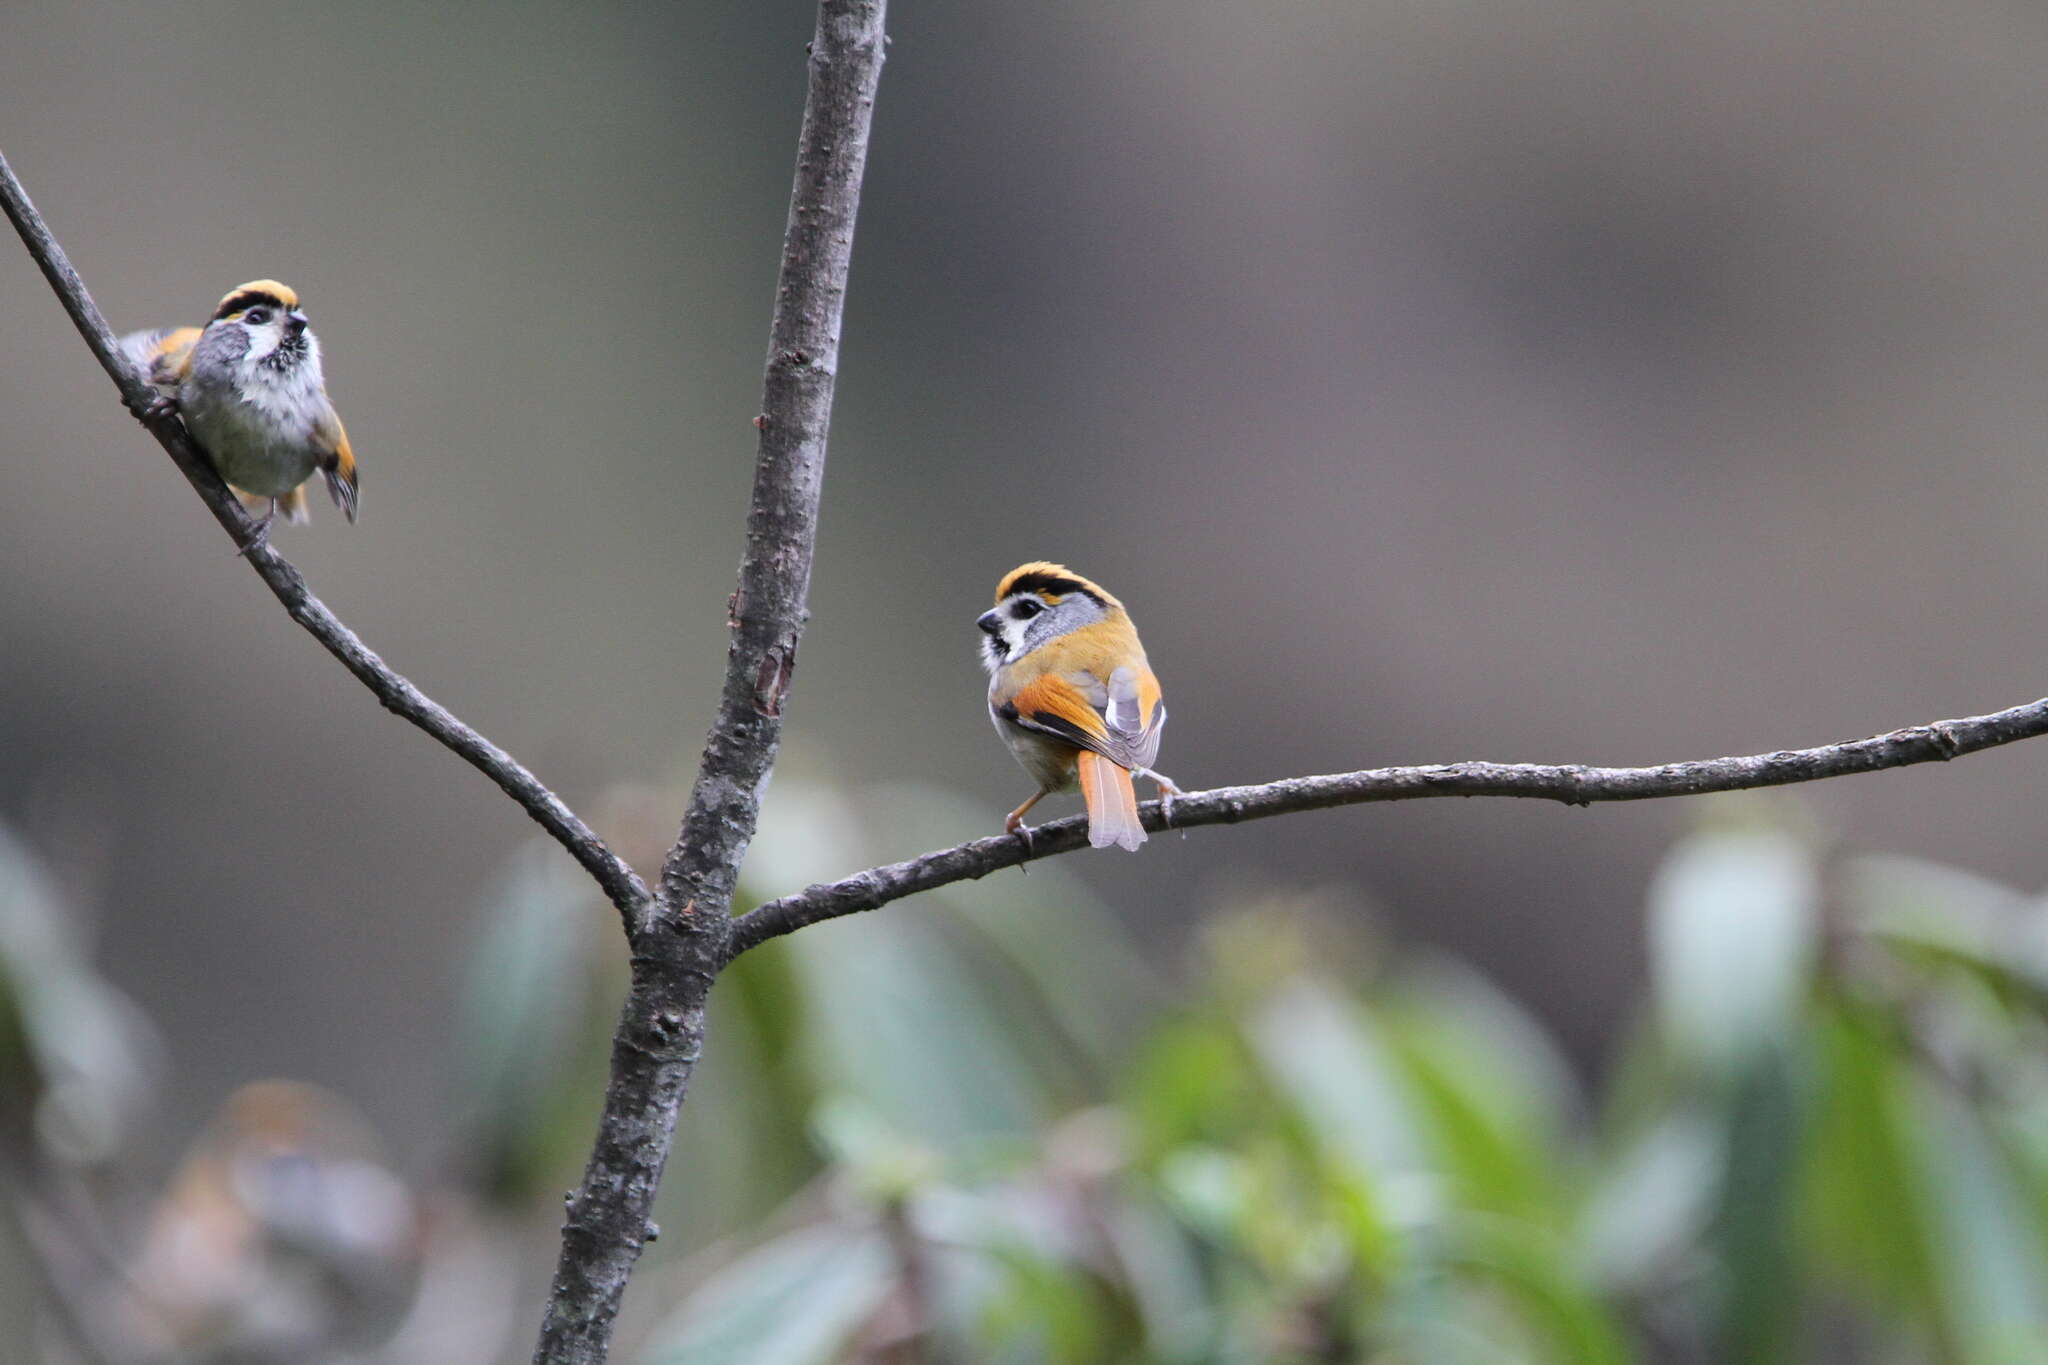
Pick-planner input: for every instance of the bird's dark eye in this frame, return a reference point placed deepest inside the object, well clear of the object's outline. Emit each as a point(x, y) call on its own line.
point(1026, 609)
point(256, 317)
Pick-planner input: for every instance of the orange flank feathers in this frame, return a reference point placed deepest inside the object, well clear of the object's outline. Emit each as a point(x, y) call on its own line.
point(1052, 701)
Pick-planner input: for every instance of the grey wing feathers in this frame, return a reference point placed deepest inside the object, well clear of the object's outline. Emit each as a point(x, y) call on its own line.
point(1148, 748)
point(160, 353)
point(140, 348)
point(1121, 712)
point(1133, 742)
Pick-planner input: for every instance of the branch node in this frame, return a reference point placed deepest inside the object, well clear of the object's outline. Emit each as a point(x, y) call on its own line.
point(771, 680)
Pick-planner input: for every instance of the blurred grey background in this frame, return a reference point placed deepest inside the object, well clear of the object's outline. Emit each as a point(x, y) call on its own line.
point(1532, 381)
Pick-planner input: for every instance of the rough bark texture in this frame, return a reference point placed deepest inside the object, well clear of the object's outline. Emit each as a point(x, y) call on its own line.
point(683, 939)
point(767, 610)
point(399, 696)
point(1574, 784)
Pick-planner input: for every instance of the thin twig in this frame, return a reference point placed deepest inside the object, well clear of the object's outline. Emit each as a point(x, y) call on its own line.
point(1572, 784)
point(619, 882)
point(681, 943)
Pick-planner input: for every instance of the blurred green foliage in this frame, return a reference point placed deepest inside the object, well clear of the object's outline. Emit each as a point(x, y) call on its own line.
point(984, 1126)
point(1826, 1138)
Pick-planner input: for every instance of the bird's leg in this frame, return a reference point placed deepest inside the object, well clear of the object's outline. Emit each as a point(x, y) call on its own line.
point(1013, 823)
point(1167, 791)
point(259, 538)
point(159, 408)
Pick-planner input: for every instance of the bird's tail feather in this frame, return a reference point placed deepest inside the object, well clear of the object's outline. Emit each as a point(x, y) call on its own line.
point(1112, 803)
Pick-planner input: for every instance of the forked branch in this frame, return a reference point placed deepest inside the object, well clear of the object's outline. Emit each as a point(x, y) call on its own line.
point(682, 941)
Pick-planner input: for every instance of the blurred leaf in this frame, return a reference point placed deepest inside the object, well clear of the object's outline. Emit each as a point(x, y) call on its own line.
point(1291, 1171)
point(1938, 918)
point(795, 1301)
point(1206, 1188)
point(1651, 1200)
point(1324, 1058)
point(1459, 1314)
point(1868, 1208)
point(1048, 1310)
point(896, 1021)
point(2013, 983)
point(531, 1037)
point(1165, 1278)
point(1751, 1232)
point(2021, 1130)
point(1016, 1269)
point(1190, 1084)
point(752, 1111)
point(1885, 886)
point(1990, 1261)
point(1528, 1262)
point(1522, 1062)
point(1493, 1095)
point(1272, 936)
point(885, 1166)
point(1732, 941)
point(77, 1059)
point(1091, 983)
point(900, 1012)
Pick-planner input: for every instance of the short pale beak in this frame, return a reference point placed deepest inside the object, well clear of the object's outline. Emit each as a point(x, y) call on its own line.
point(990, 621)
point(297, 320)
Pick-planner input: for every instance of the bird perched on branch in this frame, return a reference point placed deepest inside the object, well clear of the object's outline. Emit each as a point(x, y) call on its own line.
point(250, 389)
point(1072, 696)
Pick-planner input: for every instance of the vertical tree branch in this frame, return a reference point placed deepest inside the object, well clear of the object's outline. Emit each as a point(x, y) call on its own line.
point(767, 612)
point(684, 938)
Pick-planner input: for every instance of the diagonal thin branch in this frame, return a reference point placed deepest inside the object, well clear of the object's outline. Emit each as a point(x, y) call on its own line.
point(680, 944)
point(1573, 784)
point(620, 884)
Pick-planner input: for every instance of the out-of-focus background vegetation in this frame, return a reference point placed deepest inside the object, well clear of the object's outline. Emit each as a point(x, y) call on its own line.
point(1538, 381)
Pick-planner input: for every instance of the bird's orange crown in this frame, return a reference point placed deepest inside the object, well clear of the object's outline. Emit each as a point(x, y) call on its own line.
point(1052, 582)
point(254, 292)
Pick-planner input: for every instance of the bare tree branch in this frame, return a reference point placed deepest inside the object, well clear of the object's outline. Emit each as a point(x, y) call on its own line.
point(1573, 784)
point(681, 943)
point(619, 882)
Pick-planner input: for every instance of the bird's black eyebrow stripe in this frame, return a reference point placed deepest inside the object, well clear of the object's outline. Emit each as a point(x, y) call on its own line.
point(248, 298)
point(1054, 584)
